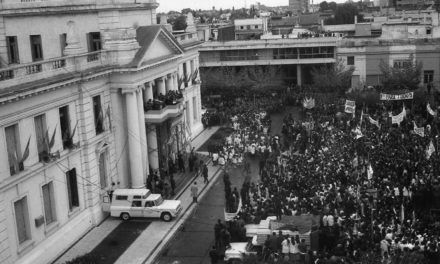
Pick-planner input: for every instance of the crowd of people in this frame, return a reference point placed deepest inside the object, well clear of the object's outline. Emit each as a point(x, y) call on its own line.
point(162, 100)
point(373, 185)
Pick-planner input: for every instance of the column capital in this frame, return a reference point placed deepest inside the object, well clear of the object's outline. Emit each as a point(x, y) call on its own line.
point(133, 89)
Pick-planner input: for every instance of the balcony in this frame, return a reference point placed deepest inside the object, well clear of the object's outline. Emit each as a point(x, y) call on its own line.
point(37, 71)
point(168, 111)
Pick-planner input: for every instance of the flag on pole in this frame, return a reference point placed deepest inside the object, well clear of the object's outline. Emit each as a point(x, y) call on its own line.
point(107, 113)
point(402, 213)
point(309, 103)
point(26, 151)
point(430, 150)
point(374, 122)
point(74, 130)
point(52, 139)
point(430, 111)
point(419, 130)
point(370, 172)
point(358, 132)
point(362, 116)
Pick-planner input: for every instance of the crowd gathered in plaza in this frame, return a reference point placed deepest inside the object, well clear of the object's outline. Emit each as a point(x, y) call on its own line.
point(373, 183)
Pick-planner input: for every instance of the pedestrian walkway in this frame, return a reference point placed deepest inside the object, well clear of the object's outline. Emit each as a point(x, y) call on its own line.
point(146, 247)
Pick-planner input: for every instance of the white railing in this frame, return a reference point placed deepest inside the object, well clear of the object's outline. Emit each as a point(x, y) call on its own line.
point(49, 68)
point(55, 3)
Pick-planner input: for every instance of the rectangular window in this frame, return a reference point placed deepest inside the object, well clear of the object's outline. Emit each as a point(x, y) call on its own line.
point(65, 126)
point(42, 136)
point(49, 204)
point(121, 197)
point(94, 41)
point(428, 77)
point(195, 108)
point(192, 67)
point(72, 189)
point(400, 64)
point(98, 114)
point(22, 220)
point(12, 46)
point(350, 60)
point(36, 48)
point(185, 74)
point(63, 43)
point(13, 148)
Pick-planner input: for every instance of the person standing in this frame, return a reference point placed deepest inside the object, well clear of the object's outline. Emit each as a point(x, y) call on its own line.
point(194, 192)
point(205, 172)
point(214, 255)
point(181, 162)
point(217, 233)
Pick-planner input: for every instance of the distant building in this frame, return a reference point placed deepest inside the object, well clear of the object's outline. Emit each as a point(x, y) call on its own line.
point(299, 6)
point(248, 28)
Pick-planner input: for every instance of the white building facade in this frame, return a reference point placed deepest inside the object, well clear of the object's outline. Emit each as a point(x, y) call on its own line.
point(76, 84)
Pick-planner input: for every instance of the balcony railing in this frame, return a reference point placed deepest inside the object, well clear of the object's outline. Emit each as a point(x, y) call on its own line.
point(162, 114)
point(34, 71)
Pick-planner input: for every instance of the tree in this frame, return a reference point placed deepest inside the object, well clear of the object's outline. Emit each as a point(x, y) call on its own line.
point(332, 78)
point(180, 23)
point(333, 6)
point(402, 75)
point(323, 6)
point(264, 76)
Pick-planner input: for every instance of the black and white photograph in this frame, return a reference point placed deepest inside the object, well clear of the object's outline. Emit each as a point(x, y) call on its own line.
point(219, 132)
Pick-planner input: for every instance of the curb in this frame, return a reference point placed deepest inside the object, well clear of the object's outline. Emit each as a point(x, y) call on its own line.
point(180, 221)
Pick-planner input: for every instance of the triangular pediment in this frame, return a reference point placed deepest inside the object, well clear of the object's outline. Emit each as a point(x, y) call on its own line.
point(156, 44)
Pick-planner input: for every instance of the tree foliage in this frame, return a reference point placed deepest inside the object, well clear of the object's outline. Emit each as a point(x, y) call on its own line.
point(404, 75)
point(180, 23)
point(344, 14)
point(332, 78)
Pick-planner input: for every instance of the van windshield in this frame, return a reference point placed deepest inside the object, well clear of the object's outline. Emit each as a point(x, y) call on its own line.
point(159, 201)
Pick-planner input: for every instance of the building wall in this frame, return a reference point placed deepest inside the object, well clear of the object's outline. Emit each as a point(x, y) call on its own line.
point(53, 90)
point(368, 58)
point(45, 242)
point(50, 34)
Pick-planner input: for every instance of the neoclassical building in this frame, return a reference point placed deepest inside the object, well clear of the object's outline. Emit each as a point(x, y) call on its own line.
point(94, 94)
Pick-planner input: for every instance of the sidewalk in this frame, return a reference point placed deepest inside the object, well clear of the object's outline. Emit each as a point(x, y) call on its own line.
point(155, 237)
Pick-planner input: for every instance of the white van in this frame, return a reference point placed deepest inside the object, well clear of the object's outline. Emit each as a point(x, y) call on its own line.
point(128, 203)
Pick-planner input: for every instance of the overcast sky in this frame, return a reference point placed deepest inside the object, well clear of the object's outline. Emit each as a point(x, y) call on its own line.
point(178, 5)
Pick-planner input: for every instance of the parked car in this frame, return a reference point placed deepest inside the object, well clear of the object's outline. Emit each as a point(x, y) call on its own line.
point(240, 250)
point(131, 203)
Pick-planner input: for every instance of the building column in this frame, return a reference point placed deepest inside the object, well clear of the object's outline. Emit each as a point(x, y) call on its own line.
point(169, 83)
point(161, 86)
point(176, 81)
point(298, 75)
point(148, 92)
point(153, 152)
point(135, 150)
point(143, 135)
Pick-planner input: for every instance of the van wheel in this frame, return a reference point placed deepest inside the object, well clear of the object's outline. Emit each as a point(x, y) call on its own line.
point(125, 216)
point(235, 261)
point(166, 217)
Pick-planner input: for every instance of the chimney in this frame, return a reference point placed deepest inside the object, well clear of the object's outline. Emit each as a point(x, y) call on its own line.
point(163, 19)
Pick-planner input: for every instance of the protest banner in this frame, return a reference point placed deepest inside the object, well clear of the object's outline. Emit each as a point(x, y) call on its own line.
point(392, 97)
point(350, 106)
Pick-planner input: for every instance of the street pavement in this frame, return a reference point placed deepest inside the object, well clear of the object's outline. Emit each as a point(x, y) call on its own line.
point(191, 245)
